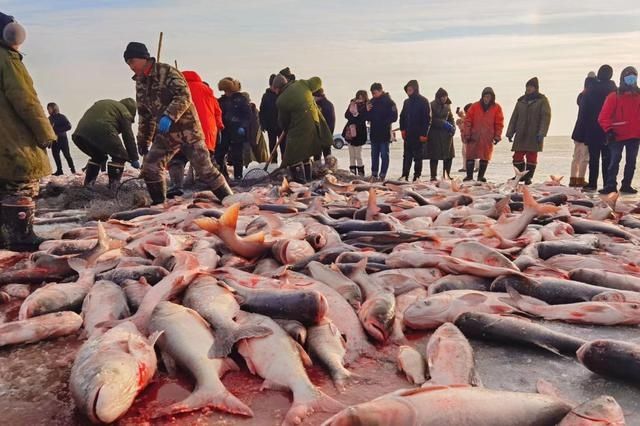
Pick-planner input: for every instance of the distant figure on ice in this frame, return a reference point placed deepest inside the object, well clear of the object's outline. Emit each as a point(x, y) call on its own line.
point(168, 123)
point(329, 113)
point(529, 125)
point(483, 126)
point(300, 118)
point(415, 119)
point(269, 119)
point(381, 113)
point(25, 133)
point(440, 143)
point(620, 119)
point(355, 131)
point(97, 135)
point(462, 113)
point(594, 136)
point(61, 126)
point(580, 159)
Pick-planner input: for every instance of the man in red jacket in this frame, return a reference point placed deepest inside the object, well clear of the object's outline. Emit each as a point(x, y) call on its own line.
point(620, 119)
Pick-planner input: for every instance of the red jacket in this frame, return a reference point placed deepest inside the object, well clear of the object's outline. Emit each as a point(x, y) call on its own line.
point(207, 106)
point(621, 113)
point(480, 129)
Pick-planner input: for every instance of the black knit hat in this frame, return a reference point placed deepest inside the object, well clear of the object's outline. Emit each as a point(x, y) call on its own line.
point(4, 21)
point(533, 83)
point(136, 50)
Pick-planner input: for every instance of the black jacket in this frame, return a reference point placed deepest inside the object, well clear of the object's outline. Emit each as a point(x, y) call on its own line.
point(60, 125)
point(269, 112)
point(382, 115)
point(361, 125)
point(328, 112)
point(415, 117)
point(589, 109)
point(236, 114)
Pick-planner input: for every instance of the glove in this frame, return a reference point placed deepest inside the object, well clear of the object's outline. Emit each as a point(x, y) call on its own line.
point(496, 140)
point(539, 138)
point(45, 144)
point(164, 124)
point(449, 127)
point(135, 164)
point(404, 134)
point(143, 150)
point(241, 131)
point(423, 139)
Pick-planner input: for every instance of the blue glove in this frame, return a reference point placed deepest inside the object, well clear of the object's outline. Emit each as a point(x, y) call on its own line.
point(449, 127)
point(135, 164)
point(241, 131)
point(164, 124)
point(539, 138)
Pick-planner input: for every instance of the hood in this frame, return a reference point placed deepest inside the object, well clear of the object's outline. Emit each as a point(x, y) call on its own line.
point(315, 84)
point(533, 82)
point(131, 106)
point(414, 84)
point(440, 93)
point(192, 76)
point(489, 90)
point(605, 73)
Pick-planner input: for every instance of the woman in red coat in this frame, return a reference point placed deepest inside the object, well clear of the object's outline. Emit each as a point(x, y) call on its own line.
point(483, 126)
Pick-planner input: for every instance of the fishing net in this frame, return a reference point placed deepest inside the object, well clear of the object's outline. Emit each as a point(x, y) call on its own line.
point(131, 193)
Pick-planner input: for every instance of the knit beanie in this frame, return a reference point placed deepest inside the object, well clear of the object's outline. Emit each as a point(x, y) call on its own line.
point(136, 50)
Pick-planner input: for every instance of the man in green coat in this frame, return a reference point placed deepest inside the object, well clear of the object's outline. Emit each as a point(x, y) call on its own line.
point(529, 123)
point(25, 133)
point(97, 135)
point(299, 117)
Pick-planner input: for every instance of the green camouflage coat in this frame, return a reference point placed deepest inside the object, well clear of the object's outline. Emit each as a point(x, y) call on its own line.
point(165, 92)
point(23, 124)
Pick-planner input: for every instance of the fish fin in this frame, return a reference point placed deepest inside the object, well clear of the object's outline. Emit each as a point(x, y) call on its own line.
point(103, 239)
point(321, 403)
point(208, 224)
point(271, 385)
point(153, 337)
point(531, 204)
point(198, 318)
point(547, 388)
point(476, 381)
point(258, 237)
point(502, 206)
point(372, 205)
point(304, 356)
point(230, 217)
point(427, 387)
point(610, 296)
point(106, 266)
point(473, 299)
point(361, 266)
point(227, 365)
point(221, 400)
point(77, 264)
point(243, 350)
point(226, 338)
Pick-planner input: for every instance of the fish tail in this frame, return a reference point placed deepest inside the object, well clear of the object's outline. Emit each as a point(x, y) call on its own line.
point(230, 217)
point(531, 204)
point(206, 398)
point(226, 338)
point(208, 224)
point(321, 403)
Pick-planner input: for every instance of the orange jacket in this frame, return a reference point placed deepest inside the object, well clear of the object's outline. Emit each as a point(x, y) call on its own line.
point(207, 106)
point(480, 129)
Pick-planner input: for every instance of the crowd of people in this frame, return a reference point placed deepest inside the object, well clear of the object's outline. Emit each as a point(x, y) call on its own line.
point(180, 122)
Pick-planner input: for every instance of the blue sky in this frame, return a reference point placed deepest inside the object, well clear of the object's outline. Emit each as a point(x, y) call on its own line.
point(74, 48)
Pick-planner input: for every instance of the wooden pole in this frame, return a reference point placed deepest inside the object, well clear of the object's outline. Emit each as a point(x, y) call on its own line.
point(159, 47)
point(175, 61)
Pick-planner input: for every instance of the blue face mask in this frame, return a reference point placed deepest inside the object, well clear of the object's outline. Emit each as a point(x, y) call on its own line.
point(630, 80)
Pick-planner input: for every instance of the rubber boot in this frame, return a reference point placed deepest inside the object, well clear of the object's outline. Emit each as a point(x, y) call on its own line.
point(482, 170)
point(157, 192)
point(91, 173)
point(520, 167)
point(360, 171)
point(297, 173)
point(353, 170)
point(176, 174)
point(16, 229)
point(469, 167)
point(114, 171)
point(223, 190)
point(531, 169)
point(308, 170)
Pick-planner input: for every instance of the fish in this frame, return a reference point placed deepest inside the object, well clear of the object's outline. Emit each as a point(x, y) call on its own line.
point(110, 370)
point(289, 252)
point(516, 331)
point(105, 301)
point(479, 253)
point(295, 329)
point(335, 279)
point(406, 279)
point(630, 221)
point(132, 214)
point(454, 405)
point(135, 292)
point(39, 328)
point(459, 282)
point(548, 249)
point(611, 358)
point(18, 291)
point(151, 274)
point(429, 211)
point(43, 268)
point(603, 410)
point(556, 231)
point(218, 307)
point(411, 363)
point(326, 344)
point(280, 362)
point(606, 279)
point(186, 339)
point(450, 358)
point(587, 226)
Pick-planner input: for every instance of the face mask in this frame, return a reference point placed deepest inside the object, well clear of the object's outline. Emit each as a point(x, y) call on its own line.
point(630, 80)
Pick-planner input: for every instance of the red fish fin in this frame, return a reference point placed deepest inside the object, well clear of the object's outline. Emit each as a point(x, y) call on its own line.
point(532, 204)
point(205, 398)
point(208, 224)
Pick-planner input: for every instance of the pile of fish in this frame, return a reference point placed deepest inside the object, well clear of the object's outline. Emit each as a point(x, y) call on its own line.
point(331, 272)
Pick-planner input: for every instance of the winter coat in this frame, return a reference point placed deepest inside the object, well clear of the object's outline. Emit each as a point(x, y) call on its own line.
point(591, 105)
point(102, 124)
point(481, 128)
point(60, 125)
point(328, 112)
point(207, 108)
point(256, 148)
point(579, 129)
point(269, 112)
point(439, 146)
point(164, 91)
point(300, 117)
point(236, 114)
point(531, 118)
point(356, 115)
point(621, 113)
point(415, 117)
point(23, 124)
point(382, 115)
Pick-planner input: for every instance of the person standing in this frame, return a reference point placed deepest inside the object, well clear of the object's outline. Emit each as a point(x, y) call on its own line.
point(620, 120)
point(440, 143)
point(61, 126)
point(594, 136)
point(580, 159)
point(300, 119)
point(483, 127)
point(25, 133)
point(236, 117)
point(329, 113)
point(529, 125)
point(355, 131)
point(381, 113)
point(168, 123)
point(269, 119)
point(415, 119)
point(97, 135)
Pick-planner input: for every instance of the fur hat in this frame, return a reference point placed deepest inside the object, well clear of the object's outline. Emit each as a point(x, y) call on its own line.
point(229, 85)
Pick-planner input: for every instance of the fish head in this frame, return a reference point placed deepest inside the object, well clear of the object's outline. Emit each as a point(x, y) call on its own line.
point(381, 411)
point(448, 331)
point(603, 410)
point(377, 316)
point(428, 313)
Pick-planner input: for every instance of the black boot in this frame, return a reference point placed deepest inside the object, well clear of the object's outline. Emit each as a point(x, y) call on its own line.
point(308, 170)
point(433, 168)
point(176, 174)
point(114, 171)
point(223, 190)
point(91, 173)
point(16, 229)
point(469, 166)
point(447, 168)
point(482, 170)
point(353, 170)
point(531, 169)
point(157, 192)
point(520, 166)
point(360, 171)
point(297, 173)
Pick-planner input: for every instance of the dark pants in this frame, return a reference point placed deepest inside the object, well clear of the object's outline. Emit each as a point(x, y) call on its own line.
point(379, 151)
point(273, 139)
point(62, 145)
point(234, 150)
point(597, 151)
point(96, 155)
point(615, 150)
point(412, 153)
point(326, 151)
